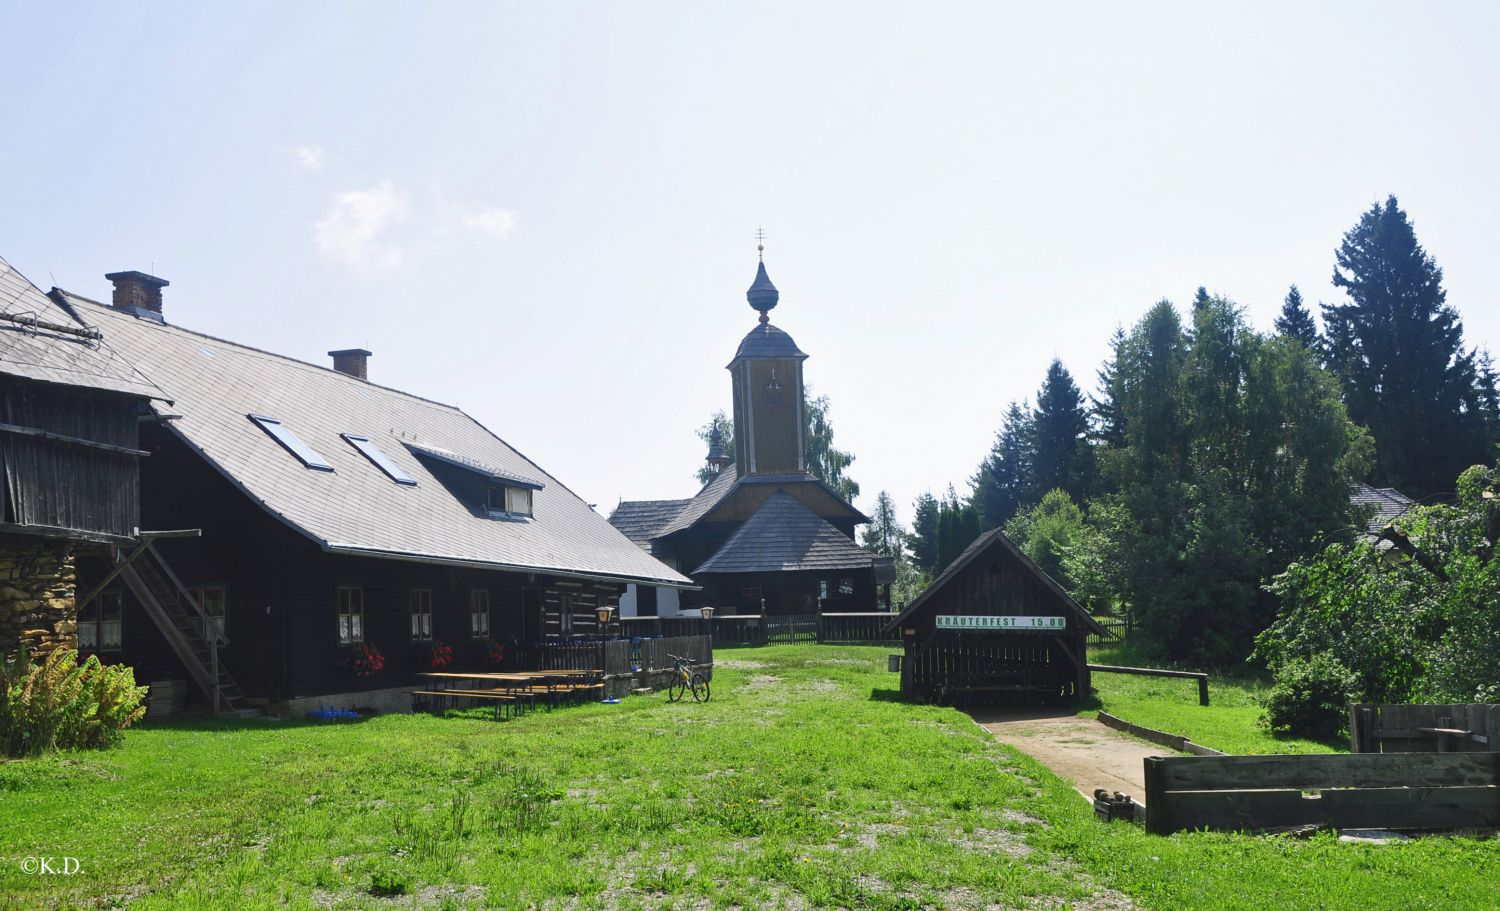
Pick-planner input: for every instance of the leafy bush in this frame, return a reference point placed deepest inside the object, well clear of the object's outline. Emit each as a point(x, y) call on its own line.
point(1310, 698)
point(59, 704)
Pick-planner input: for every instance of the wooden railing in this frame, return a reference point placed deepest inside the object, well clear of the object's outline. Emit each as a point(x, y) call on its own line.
point(1199, 676)
point(1117, 631)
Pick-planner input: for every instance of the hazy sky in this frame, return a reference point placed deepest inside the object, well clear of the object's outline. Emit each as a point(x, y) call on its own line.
point(545, 212)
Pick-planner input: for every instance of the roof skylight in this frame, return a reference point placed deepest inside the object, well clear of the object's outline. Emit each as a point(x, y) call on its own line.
point(382, 461)
point(283, 435)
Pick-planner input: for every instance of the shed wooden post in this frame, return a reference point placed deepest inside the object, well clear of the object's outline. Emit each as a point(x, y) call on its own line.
point(1157, 820)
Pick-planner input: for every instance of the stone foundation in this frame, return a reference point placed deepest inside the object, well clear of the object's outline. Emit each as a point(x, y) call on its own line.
point(38, 603)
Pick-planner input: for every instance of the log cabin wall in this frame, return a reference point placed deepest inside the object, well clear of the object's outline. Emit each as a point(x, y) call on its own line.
point(282, 592)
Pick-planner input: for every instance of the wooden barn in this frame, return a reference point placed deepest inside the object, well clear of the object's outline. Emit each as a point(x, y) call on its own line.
point(312, 515)
point(994, 628)
point(69, 462)
point(764, 535)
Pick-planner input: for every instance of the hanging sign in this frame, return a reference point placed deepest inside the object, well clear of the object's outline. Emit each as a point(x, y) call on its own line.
point(1013, 623)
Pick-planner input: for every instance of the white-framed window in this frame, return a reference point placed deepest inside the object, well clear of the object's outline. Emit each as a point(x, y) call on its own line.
point(479, 613)
point(511, 501)
point(214, 599)
point(565, 614)
point(421, 614)
point(351, 615)
point(101, 623)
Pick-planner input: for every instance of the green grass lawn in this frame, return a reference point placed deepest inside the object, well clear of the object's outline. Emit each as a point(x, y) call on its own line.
point(1229, 723)
point(803, 784)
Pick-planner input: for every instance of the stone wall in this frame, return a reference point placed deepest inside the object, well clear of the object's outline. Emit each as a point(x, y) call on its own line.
point(38, 607)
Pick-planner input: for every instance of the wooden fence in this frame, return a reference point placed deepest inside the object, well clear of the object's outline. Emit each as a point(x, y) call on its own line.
point(1473, 728)
point(1117, 629)
point(626, 665)
point(756, 629)
point(1354, 791)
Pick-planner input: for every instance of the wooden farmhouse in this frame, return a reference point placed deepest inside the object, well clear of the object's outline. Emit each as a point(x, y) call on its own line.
point(302, 515)
point(70, 460)
point(994, 628)
point(764, 535)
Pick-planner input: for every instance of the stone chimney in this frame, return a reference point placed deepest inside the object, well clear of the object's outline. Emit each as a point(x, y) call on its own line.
point(138, 293)
point(353, 361)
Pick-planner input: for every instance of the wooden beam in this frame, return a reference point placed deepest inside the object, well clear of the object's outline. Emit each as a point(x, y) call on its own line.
point(71, 441)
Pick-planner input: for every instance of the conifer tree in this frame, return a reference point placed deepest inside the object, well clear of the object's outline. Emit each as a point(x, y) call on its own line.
point(924, 532)
point(1107, 422)
point(1060, 456)
point(1296, 321)
point(1001, 483)
point(1398, 349)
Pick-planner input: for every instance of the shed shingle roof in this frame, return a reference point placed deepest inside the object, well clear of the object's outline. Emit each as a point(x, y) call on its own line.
point(65, 358)
point(783, 535)
point(1388, 503)
point(356, 508)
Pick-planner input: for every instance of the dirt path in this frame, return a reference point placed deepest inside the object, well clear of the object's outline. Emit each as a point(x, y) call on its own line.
point(1081, 750)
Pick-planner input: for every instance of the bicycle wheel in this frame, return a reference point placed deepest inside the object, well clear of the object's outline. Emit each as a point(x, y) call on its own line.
point(677, 688)
point(700, 688)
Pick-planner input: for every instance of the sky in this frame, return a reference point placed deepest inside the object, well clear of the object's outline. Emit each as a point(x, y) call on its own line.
point(545, 213)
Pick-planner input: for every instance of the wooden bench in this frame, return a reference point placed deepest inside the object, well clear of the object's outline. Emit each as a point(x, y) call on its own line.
point(507, 702)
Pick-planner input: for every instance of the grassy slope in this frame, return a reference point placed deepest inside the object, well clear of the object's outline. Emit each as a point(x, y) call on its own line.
point(1229, 722)
point(794, 787)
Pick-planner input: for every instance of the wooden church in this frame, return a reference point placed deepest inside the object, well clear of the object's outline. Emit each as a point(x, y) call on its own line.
point(764, 535)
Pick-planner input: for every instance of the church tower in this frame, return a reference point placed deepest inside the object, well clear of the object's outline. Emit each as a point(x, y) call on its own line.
point(767, 374)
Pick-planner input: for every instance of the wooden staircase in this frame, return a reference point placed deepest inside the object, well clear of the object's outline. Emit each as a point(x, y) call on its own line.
point(193, 635)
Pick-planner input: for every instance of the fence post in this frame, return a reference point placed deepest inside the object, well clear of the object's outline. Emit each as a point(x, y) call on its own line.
point(1157, 820)
point(1203, 690)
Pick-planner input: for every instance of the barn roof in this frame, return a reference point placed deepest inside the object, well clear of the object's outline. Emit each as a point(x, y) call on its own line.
point(782, 536)
point(44, 341)
point(1388, 504)
point(997, 538)
point(356, 507)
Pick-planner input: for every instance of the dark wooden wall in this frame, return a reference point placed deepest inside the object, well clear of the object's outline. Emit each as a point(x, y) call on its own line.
point(282, 591)
point(768, 426)
point(55, 484)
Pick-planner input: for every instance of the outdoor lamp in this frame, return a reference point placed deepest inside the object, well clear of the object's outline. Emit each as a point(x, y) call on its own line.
point(603, 613)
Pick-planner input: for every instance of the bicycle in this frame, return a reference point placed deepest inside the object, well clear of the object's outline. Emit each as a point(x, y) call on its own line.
point(684, 678)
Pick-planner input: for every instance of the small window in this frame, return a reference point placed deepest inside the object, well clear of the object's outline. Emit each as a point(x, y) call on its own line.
point(101, 623)
point(823, 589)
point(565, 613)
point(421, 614)
point(283, 435)
point(479, 613)
point(495, 498)
point(382, 461)
point(215, 603)
point(518, 501)
point(351, 615)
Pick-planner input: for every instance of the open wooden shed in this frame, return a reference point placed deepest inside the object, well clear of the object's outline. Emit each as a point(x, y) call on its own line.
point(995, 628)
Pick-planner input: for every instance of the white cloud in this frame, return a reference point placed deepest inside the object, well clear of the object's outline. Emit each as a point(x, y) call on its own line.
point(358, 226)
point(310, 157)
point(492, 221)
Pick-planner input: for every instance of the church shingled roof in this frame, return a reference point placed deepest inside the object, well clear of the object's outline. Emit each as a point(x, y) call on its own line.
point(783, 535)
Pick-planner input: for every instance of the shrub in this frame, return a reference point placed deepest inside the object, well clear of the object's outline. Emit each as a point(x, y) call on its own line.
point(1310, 698)
point(59, 704)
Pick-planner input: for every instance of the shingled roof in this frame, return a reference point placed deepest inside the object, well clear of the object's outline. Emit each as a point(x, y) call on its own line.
point(766, 340)
point(44, 341)
point(1386, 504)
point(640, 520)
point(783, 535)
point(356, 508)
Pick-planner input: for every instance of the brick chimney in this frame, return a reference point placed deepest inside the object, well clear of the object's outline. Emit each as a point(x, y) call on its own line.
point(353, 361)
point(138, 293)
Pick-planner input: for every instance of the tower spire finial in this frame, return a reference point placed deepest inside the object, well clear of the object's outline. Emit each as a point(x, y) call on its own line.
point(760, 242)
point(762, 294)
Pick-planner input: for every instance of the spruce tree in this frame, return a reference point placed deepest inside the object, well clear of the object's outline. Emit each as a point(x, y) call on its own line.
point(1296, 321)
point(1107, 421)
point(1004, 477)
point(1060, 457)
point(924, 533)
point(884, 535)
point(1398, 349)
